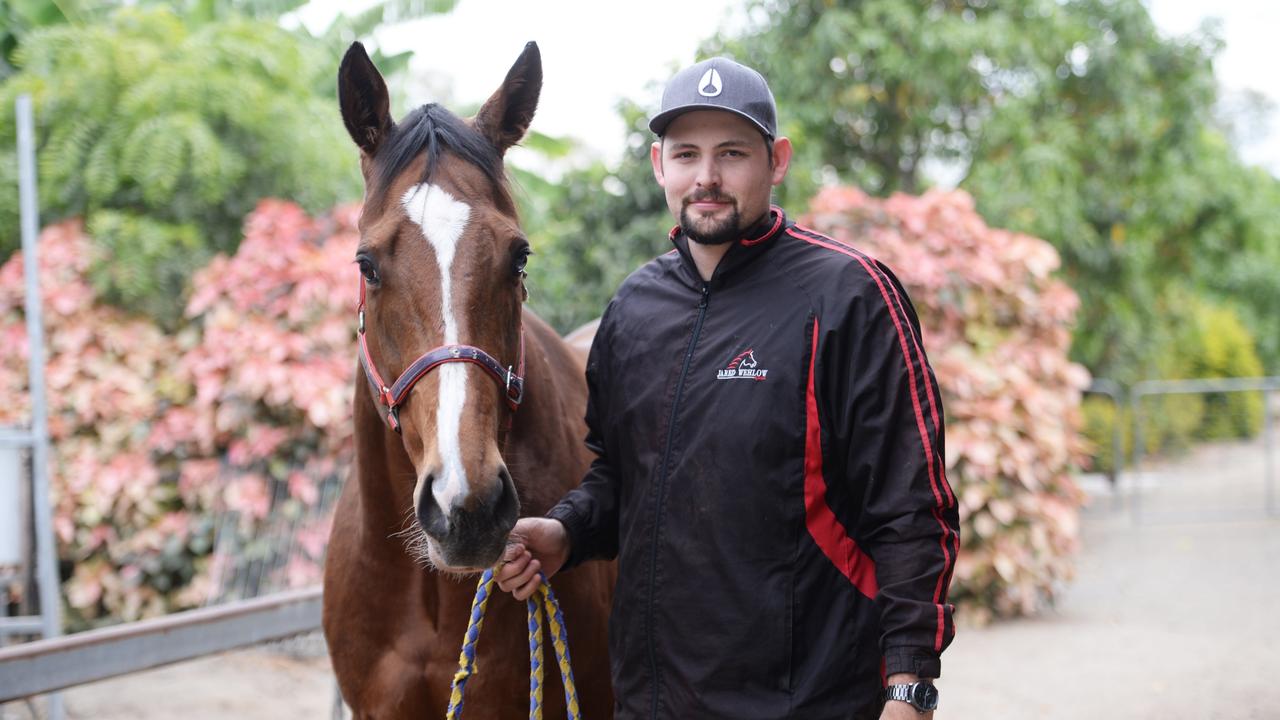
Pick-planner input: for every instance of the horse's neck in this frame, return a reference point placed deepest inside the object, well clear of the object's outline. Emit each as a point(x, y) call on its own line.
point(544, 450)
point(384, 472)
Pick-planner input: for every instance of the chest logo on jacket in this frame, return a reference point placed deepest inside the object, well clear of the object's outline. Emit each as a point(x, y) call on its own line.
point(743, 367)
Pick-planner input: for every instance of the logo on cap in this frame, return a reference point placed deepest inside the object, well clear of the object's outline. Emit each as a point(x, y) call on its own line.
point(710, 84)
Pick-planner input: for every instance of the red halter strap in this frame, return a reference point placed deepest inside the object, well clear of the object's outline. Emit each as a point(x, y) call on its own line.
point(394, 396)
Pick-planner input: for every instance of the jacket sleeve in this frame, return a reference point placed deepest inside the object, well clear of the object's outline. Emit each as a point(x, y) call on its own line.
point(590, 511)
point(901, 510)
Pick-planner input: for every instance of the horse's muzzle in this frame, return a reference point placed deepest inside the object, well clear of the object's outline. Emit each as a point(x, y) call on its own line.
point(474, 532)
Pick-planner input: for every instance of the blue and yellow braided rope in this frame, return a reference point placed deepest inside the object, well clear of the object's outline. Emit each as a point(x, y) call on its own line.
point(543, 603)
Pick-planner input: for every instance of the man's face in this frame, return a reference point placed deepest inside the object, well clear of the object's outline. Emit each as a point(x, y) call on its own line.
point(714, 167)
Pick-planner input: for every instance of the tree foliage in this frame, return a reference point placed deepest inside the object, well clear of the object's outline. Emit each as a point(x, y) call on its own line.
point(1075, 121)
point(163, 136)
point(591, 229)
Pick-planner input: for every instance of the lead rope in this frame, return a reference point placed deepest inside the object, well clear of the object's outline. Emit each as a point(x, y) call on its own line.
point(542, 603)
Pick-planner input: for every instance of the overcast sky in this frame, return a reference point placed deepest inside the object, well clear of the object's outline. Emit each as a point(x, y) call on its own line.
point(595, 53)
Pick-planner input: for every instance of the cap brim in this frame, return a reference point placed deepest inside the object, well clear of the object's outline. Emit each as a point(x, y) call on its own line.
point(658, 123)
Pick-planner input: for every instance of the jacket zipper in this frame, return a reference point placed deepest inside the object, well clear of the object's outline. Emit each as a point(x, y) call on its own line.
point(662, 486)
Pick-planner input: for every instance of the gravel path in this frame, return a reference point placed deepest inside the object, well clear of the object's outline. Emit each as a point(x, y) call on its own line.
point(1170, 617)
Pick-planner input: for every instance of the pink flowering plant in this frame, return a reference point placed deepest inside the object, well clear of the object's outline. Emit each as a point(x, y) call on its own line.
point(242, 412)
point(997, 327)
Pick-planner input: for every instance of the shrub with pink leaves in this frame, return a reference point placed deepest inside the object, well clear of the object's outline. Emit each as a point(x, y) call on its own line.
point(997, 327)
point(245, 410)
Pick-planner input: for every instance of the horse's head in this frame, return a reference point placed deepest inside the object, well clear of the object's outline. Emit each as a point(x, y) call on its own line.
point(442, 259)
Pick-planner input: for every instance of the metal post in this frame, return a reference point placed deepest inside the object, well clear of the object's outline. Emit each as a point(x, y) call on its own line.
point(1138, 449)
point(1268, 445)
point(46, 553)
point(1115, 393)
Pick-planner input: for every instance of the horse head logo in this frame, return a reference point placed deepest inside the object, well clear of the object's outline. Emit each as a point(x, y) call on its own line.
point(748, 360)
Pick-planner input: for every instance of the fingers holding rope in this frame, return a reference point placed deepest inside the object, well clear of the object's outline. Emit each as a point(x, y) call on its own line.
point(518, 572)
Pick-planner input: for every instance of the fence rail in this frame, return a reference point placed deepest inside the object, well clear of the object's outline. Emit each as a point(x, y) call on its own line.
point(1156, 388)
point(46, 665)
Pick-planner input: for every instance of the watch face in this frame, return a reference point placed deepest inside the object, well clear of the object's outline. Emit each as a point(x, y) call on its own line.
point(924, 696)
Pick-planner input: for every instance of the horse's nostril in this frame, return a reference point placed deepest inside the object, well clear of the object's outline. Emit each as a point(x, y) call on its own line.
point(507, 506)
point(430, 516)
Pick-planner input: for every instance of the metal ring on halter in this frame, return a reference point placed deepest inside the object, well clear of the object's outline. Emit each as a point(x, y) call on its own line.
point(517, 382)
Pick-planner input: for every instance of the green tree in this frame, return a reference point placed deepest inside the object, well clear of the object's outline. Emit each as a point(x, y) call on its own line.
point(163, 123)
point(592, 228)
point(164, 136)
point(20, 17)
point(1073, 120)
point(1119, 161)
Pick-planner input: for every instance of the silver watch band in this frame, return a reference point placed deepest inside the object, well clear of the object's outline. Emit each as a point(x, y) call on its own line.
point(920, 695)
point(898, 692)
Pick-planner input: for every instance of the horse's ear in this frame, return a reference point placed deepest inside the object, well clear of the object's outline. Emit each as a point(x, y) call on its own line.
point(362, 94)
point(506, 115)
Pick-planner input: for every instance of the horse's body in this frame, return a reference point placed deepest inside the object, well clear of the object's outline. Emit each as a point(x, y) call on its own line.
point(394, 627)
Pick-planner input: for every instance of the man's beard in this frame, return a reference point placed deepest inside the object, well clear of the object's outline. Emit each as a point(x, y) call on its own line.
point(720, 231)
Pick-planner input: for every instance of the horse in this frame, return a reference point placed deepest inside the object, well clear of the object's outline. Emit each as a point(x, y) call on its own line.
point(484, 423)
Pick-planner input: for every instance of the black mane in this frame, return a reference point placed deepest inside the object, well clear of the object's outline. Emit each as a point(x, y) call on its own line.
point(433, 129)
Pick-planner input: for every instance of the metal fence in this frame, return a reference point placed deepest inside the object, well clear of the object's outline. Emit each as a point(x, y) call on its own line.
point(57, 663)
point(1112, 391)
point(1229, 424)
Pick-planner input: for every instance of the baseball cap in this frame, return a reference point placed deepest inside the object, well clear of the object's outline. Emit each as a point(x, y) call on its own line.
point(718, 84)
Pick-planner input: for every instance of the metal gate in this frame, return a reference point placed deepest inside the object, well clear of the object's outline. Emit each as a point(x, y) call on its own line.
point(1231, 475)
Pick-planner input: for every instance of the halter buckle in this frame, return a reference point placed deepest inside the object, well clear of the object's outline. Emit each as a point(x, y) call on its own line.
point(519, 386)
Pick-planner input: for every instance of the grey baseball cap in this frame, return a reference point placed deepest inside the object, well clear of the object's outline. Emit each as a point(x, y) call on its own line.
point(718, 84)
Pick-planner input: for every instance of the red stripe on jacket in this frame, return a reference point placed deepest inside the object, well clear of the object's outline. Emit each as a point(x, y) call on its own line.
point(931, 390)
point(823, 526)
point(926, 443)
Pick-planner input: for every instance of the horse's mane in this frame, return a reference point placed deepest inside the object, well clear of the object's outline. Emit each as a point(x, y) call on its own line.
point(432, 128)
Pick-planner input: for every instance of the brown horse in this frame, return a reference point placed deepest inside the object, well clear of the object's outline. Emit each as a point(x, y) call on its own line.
point(448, 457)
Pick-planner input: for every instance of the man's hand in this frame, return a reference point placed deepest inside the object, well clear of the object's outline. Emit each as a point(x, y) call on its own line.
point(535, 544)
point(898, 710)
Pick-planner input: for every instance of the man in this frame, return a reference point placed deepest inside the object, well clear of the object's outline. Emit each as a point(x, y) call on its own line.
point(770, 451)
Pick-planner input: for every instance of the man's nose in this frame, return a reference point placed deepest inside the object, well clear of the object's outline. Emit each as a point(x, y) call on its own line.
point(708, 173)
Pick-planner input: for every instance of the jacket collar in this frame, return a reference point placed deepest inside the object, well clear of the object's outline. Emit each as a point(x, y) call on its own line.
point(755, 242)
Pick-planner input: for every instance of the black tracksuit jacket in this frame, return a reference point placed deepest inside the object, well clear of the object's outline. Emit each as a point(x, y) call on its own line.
point(770, 478)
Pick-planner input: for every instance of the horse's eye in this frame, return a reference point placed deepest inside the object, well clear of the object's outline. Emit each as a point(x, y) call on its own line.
point(522, 259)
point(368, 270)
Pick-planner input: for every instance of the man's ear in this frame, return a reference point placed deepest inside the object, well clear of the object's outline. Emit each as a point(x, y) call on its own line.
point(655, 157)
point(362, 95)
point(506, 115)
point(781, 159)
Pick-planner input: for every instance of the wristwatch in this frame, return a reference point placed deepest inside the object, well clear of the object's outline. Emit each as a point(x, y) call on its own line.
point(922, 695)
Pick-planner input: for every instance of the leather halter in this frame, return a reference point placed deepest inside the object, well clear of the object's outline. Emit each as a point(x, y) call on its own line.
point(393, 397)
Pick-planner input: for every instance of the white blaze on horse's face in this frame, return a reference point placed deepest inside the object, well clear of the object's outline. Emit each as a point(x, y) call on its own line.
point(443, 219)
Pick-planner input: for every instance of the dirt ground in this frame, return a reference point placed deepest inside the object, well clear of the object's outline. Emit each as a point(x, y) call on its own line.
point(1171, 616)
